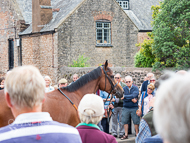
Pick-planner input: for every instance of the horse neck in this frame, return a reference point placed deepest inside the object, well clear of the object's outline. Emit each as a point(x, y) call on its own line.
point(89, 88)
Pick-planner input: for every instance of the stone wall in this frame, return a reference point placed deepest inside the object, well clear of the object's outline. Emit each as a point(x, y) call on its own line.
point(77, 35)
point(41, 51)
point(137, 73)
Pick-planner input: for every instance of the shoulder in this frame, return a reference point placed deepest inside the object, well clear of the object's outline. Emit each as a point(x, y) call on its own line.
point(145, 82)
point(110, 138)
point(135, 88)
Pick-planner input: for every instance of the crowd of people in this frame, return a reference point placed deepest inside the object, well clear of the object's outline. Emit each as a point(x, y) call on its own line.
point(159, 110)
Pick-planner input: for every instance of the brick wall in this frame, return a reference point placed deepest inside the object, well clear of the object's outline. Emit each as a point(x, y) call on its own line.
point(77, 35)
point(142, 36)
point(41, 51)
point(9, 29)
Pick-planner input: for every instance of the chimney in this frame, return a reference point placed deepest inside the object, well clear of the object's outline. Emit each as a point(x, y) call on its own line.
point(41, 14)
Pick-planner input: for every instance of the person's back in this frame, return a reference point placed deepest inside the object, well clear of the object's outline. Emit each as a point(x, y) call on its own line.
point(91, 110)
point(94, 135)
point(27, 129)
point(24, 94)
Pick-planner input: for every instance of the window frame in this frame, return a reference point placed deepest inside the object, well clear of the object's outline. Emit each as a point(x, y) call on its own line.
point(103, 28)
point(122, 4)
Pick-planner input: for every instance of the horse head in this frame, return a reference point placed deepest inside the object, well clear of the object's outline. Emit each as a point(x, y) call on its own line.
point(108, 82)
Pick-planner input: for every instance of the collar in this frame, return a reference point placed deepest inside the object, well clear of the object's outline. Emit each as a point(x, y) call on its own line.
point(90, 125)
point(131, 87)
point(32, 117)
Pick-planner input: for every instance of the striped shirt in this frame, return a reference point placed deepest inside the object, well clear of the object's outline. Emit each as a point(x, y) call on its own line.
point(38, 127)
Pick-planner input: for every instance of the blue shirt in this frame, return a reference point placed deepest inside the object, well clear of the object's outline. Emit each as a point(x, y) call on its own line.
point(154, 139)
point(38, 127)
point(104, 95)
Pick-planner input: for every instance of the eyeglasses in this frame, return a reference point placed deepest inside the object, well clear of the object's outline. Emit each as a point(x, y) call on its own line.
point(150, 89)
point(128, 81)
point(117, 77)
point(152, 80)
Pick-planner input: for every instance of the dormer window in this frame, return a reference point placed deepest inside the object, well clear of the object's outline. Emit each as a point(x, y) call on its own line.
point(124, 4)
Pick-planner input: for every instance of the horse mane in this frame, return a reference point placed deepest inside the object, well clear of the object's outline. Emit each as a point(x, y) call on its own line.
point(96, 73)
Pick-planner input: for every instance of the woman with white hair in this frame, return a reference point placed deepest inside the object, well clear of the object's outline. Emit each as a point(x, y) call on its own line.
point(91, 110)
point(48, 84)
point(172, 109)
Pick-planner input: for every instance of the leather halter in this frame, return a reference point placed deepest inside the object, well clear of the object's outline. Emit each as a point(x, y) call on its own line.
point(110, 81)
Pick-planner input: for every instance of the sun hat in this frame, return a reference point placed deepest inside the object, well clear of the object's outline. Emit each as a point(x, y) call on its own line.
point(63, 80)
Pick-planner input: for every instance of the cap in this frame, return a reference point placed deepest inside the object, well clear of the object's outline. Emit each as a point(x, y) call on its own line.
point(63, 80)
point(92, 102)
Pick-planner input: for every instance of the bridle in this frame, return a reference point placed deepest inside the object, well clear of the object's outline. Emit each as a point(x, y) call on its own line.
point(110, 81)
point(112, 88)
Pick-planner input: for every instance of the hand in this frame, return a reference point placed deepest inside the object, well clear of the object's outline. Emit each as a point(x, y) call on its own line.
point(111, 106)
point(113, 100)
point(139, 113)
point(122, 98)
point(134, 100)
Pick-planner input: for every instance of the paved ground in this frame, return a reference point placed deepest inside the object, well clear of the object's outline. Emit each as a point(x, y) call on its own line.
point(131, 139)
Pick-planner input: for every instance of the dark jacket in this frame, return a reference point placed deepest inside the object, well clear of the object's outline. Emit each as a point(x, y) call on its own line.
point(129, 95)
point(94, 135)
point(144, 86)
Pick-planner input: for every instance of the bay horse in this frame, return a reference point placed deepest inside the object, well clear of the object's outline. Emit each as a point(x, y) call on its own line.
point(59, 106)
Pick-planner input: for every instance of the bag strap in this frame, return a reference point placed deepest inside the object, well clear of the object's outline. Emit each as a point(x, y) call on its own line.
point(142, 99)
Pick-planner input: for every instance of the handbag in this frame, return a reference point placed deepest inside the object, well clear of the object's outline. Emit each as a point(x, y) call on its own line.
point(138, 112)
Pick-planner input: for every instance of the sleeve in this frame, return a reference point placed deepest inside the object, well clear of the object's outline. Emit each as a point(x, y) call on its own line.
point(143, 87)
point(144, 132)
point(102, 94)
point(134, 94)
point(140, 100)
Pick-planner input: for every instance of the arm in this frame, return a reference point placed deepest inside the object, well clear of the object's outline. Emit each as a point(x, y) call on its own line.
point(144, 132)
point(134, 94)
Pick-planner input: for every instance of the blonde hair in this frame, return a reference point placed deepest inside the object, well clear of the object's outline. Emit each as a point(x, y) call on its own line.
point(172, 109)
point(89, 118)
point(26, 86)
point(151, 86)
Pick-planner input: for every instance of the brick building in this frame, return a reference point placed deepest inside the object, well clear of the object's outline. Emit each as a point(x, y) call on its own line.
point(58, 31)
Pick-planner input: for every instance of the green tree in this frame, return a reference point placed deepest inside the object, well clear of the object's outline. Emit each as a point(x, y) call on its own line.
point(171, 30)
point(145, 57)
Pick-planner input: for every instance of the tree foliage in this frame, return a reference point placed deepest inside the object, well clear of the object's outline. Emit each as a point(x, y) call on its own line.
point(145, 58)
point(171, 30)
point(80, 62)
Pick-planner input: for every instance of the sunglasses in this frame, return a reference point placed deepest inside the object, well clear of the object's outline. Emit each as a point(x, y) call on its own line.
point(153, 80)
point(117, 77)
point(128, 81)
point(150, 89)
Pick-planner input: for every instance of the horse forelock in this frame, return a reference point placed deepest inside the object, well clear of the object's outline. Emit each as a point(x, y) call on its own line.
point(83, 80)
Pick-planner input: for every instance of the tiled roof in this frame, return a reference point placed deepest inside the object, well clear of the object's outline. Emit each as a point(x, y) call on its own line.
point(140, 13)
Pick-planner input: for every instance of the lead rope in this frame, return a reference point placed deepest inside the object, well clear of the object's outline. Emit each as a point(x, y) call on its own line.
point(68, 99)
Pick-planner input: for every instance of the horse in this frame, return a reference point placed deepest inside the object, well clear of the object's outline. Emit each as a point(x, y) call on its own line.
point(59, 107)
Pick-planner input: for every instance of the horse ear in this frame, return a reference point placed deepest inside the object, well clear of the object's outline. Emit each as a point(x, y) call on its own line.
point(106, 64)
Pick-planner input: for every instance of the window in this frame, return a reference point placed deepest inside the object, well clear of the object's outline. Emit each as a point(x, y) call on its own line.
point(103, 33)
point(124, 4)
point(11, 53)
